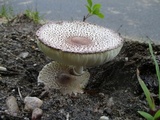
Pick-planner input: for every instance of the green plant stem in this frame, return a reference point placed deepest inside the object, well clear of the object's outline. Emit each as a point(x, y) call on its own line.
point(87, 16)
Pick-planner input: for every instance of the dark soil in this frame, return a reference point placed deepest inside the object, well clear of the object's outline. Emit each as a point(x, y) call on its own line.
point(113, 89)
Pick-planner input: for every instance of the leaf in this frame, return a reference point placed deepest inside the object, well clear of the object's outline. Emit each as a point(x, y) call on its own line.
point(96, 11)
point(146, 115)
point(157, 115)
point(89, 3)
point(100, 15)
point(89, 9)
point(156, 66)
point(96, 6)
point(146, 92)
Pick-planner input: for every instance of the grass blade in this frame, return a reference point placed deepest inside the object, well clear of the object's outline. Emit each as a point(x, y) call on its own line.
point(157, 115)
point(146, 115)
point(146, 92)
point(156, 67)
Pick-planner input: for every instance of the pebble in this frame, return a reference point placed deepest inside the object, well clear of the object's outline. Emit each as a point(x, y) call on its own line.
point(126, 91)
point(34, 64)
point(23, 54)
point(12, 105)
point(102, 95)
point(13, 90)
point(37, 114)
point(107, 110)
point(126, 59)
point(3, 69)
point(2, 117)
point(110, 102)
point(25, 118)
point(104, 118)
point(31, 103)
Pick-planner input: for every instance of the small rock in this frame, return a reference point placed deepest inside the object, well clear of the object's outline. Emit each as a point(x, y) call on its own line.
point(126, 59)
point(108, 111)
point(25, 118)
point(155, 52)
point(126, 91)
point(31, 103)
point(110, 102)
point(102, 95)
point(3, 69)
point(13, 90)
point(104, 118)
point(2, 117)
point(37, 114)
point(37, 49)
point(12, 105)
point(24, 54)
point(3, 20)
point(34, 64)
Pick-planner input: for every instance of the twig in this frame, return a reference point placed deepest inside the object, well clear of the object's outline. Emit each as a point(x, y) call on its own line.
point(19, 92)
point(119, 28)
point(8, 72)
point(16, 56)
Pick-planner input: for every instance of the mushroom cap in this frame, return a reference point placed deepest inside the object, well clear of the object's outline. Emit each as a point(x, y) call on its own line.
point(78, 43)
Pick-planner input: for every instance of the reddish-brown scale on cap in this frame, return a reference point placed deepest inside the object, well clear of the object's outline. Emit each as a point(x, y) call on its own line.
point(78, 41)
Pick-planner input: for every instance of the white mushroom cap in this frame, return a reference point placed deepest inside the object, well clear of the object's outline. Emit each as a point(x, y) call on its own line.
point(79, 43)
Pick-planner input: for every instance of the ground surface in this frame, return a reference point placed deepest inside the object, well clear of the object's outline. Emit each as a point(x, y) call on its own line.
point(113, 89)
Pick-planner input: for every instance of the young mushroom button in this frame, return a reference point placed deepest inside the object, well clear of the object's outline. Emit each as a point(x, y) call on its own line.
point(74, 45)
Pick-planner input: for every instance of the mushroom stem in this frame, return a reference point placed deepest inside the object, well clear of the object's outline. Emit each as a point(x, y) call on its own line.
point(78, 70)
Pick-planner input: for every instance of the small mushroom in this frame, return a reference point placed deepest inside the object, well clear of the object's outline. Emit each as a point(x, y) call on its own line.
point(74, 46)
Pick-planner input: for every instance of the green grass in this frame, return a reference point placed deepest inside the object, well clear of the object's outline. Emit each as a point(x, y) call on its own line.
point(6, 12)
point(156, 67)
point(34, 15)
point(149, 98)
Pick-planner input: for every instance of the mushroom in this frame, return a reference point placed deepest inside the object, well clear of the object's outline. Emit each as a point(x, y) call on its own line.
point(74, 46)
